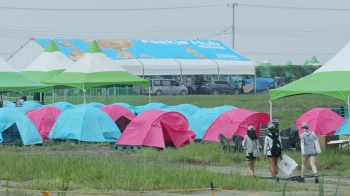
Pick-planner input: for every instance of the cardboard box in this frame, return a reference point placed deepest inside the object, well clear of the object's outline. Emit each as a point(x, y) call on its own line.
point(325, 139)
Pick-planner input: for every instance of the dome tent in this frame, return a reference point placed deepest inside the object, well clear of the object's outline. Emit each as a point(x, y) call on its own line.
point(192, 122)
point(205, 117)
point(132, 108)
point(235, 121)
point(44, 118)
point(322, 121)
point(343, 129)
point(119, 114)
point(87, 124)
point(62, 105)
point(15, 127)
point(151, 106)
point(29, 105)
point(188, 108)
point(156, 128)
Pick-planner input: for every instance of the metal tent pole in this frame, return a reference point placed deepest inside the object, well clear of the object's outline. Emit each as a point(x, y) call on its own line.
point(270, 110)
point(53, 96)
point(149, 92)
point(106, 95)
point(84, 93)
point(255, 83)
point(349, 114)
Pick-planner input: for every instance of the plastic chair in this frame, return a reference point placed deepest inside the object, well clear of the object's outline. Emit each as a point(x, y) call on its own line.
point(225, 142)
point(237, 142)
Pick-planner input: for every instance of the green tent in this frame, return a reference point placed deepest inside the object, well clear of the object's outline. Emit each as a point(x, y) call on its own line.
point(332, 79)
point(48, 64)
point(289, 62)
point(306, 62)
point(95, 69)
point(12, 80)
point(266, 63)
point(314, 61)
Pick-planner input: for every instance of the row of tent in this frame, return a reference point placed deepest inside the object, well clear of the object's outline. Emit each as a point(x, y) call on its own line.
point(153, 124)
point(313, 62)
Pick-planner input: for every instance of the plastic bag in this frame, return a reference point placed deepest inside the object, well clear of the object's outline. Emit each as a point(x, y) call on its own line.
point(287, 165)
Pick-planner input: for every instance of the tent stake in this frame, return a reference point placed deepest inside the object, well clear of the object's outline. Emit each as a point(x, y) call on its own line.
point(270, 110)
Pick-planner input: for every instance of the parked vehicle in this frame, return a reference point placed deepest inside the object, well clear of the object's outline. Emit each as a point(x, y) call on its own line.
point(166, 87)
point(218, 86)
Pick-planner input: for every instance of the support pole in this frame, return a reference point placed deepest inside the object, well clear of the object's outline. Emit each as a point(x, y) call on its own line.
point(84, 93)
point(1, 96)
point(233, 23)
point(255, 83)
point(349, 115)
point(270, 110)
point(149, 91)
point(106, 95)
point(53, 96)
point(64, 95)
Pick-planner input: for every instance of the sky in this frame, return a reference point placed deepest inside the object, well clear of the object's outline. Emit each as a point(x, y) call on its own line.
point(276, 30)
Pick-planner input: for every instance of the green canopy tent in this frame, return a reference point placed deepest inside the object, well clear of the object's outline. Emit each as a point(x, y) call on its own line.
point(306, 62)
point(314, 61)
point(266, 63)
point(289, 63)
point(12, 80)
point(332, 79)
point(95, 69)
point(48, 64)
point(287, 70)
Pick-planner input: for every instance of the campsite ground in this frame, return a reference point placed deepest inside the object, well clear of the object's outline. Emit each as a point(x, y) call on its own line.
point(212, 159)
point(99, 151)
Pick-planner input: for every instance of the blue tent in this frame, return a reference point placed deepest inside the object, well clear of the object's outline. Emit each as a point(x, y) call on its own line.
point(188, 108)
point(343, 129)
point(151, 106)
point(63, 105)
point(8, 104)
point(92, 104)
point(192, 123)
point(88, 124)
point(261, 83)
point(29, 105)
point(205, 117)
point(132, 108)
point(16, 127)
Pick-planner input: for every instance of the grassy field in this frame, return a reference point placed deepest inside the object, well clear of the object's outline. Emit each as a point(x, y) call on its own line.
point(51, 167)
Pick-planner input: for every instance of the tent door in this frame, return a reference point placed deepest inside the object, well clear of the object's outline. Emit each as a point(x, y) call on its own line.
point(11, 135)
point(167, 140)
point(122, 122)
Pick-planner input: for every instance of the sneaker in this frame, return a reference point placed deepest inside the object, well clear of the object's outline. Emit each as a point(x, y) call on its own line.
point(301, 179)
point(316, 180)
point(273, 181)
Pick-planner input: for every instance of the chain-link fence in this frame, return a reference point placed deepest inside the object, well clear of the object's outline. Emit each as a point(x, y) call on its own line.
point(130, 95)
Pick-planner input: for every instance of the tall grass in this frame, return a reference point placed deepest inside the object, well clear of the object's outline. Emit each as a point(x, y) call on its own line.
point(62, 172)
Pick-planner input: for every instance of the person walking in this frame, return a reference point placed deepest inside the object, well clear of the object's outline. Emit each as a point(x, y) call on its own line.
point(308, 150)
point(273, 150)
point(251, 143)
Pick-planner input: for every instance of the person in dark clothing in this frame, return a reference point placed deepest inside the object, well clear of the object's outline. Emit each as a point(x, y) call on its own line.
point(200, 82)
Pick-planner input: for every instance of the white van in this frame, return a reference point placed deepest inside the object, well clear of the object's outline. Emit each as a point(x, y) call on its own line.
point(166, 87)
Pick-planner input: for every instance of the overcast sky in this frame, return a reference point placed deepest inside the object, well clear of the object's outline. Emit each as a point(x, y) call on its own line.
point(289, 30)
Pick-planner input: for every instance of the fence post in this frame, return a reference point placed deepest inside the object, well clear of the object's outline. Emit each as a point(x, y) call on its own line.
point(126, 94)
point(212, 189)
point(114, 94)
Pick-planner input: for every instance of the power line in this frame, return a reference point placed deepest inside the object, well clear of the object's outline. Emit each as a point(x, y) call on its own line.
point(294, 8)
point(222, 32)
point(109, 9)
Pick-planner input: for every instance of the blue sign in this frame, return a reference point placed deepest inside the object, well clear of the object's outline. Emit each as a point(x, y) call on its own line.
point(150, 49)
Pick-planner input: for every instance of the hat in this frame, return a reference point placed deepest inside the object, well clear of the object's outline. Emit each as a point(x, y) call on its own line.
point(271, 126)
point(250, 128)
point(304, 124)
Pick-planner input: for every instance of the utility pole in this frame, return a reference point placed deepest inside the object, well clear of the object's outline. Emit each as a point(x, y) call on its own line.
point(233, 23)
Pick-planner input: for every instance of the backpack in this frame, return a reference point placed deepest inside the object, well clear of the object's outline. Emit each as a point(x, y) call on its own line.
point(275, 149)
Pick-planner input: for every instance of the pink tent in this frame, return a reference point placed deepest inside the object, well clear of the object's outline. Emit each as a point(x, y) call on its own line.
point(44, 118)
point(235, 121)
point(120, 115)
point(322, 121)
point(155, 128)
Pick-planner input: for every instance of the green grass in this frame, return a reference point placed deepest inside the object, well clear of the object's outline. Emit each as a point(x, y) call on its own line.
point(62, 172)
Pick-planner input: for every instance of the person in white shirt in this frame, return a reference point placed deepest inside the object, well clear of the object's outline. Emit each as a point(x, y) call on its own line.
point(251, 143)
point(272, 157)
